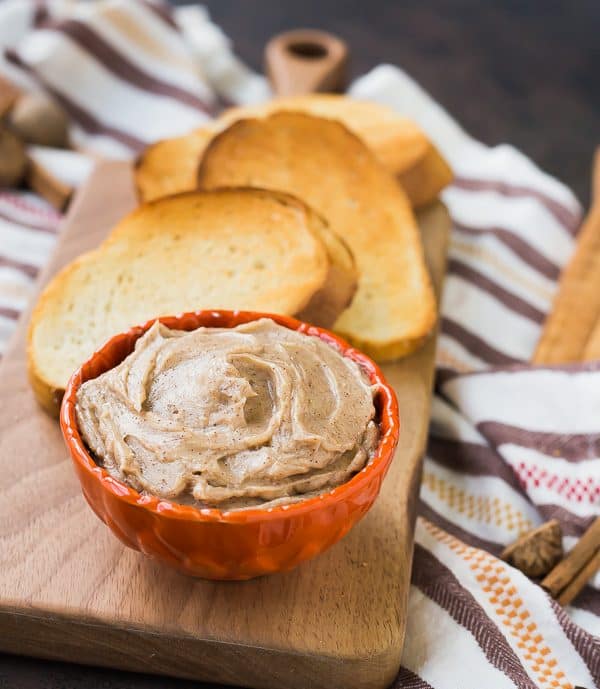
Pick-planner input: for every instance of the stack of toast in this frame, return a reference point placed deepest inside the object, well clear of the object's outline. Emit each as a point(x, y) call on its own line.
point(302, 207)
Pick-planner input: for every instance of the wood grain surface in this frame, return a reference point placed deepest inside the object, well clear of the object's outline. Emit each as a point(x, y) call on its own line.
point(69, 590)
point(512, 72)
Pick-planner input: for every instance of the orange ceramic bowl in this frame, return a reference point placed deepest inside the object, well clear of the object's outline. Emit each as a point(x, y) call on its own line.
point(218, 544)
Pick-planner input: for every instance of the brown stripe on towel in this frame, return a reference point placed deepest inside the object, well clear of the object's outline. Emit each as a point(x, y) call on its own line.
point(568, 218)
point(528, 254)
point(510, 300)
point(406, 679)
point(29, 270)
point(475, 344)
point(575, 368)
point(41, 12)
point(36, 227)
point(571, 524)
point(425, 510)
point(473, 460)
point(576, 447)
point(585, 644)
point(9, 313)
point(83, 118)
point(162, 11)
point(119, 65)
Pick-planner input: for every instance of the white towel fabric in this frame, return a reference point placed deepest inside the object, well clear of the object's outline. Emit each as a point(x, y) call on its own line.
point(511, 445)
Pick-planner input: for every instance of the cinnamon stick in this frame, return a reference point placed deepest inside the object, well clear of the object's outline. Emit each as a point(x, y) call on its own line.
point(576, 308)
point(568, 568)
point(571, 591)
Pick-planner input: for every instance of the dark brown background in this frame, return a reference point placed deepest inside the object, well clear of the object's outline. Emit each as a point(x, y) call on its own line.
point(523, 72)
point(526, 72)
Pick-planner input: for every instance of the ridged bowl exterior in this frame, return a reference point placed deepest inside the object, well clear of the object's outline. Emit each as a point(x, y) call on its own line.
point(216, 544)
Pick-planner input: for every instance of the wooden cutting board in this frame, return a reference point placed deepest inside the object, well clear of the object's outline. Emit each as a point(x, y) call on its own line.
point(69, 590)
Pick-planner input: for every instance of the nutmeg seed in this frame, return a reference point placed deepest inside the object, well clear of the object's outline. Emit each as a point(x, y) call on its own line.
point(13, 159)
point(39, 120)
point(536, 552)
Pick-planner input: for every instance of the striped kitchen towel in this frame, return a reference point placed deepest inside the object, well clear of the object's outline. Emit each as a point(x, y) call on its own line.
point(511, 445)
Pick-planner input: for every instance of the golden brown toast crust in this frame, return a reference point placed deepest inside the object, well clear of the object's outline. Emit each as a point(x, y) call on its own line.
point(169, 166)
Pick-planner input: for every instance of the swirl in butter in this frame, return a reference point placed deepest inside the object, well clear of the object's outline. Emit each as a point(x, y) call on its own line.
point(256, 415)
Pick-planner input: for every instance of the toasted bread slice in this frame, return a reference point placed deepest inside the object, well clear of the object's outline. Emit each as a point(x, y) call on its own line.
point(425, 180)
point(235, 248)
point(332, 170)
point(170, 166)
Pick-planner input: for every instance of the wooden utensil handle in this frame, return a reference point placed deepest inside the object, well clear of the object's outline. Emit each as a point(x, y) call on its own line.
point(572, 590)
point(305, 61)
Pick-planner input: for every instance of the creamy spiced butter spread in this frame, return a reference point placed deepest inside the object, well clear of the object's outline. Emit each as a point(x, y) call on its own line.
point(257, 415)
